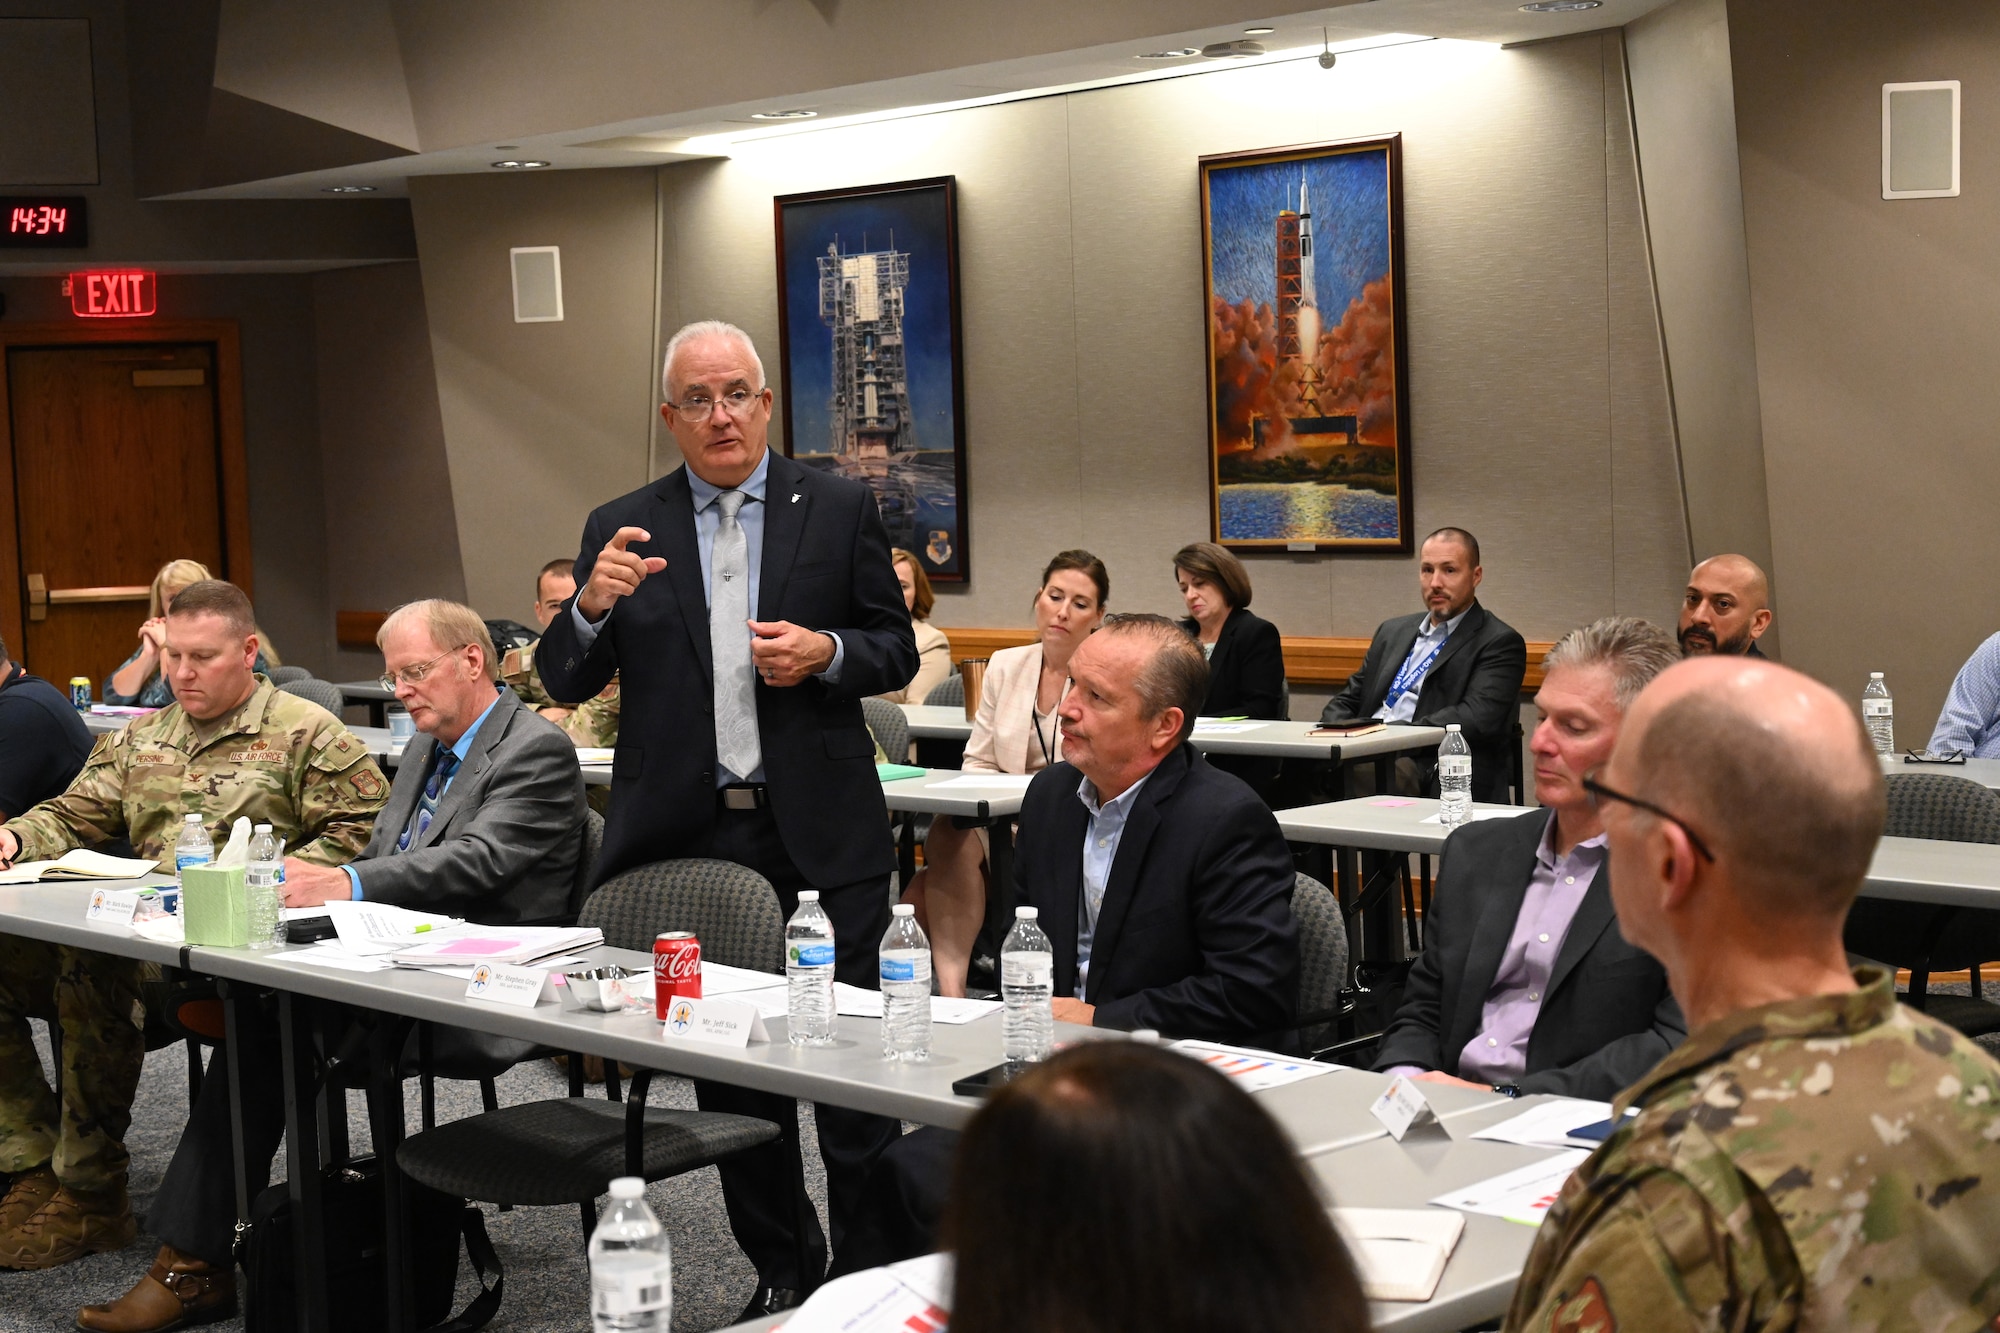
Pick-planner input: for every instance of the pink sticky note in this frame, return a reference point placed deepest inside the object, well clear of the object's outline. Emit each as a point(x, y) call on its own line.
point(1390, 801)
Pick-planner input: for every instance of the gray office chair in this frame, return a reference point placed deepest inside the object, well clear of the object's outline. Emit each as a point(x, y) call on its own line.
point(1322, 961)
point(321, 692)
point(949, 691)
point(890, 726)
point(285, 675)
point(1926, 937)
point(567, 1150)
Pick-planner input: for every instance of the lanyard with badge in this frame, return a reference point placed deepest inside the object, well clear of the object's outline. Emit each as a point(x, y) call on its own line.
point(1413, 672)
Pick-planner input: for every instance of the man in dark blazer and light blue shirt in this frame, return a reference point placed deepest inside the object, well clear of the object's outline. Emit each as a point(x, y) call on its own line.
point(1525, 983)
point(1163, 884)
point(484, 822)
point(1452, 662)
point(750, 604)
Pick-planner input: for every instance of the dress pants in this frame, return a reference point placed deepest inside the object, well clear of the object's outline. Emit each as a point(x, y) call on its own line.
point(901, 1204)
point(764, 1189)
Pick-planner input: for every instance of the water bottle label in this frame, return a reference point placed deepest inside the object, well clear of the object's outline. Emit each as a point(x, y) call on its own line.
point(811, 955)
point(1878, 708)
point(632, 1291)
point(182, 860)
point(1027, 969)
point(1455, 766)
point(916, 968)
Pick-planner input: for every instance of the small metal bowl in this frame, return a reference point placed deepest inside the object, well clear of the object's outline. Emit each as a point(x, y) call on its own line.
point(598, 989)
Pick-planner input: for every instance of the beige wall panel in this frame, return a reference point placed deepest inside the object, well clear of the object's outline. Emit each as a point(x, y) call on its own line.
point(1685, 117)
point(1016, 297)
point(1876, 342)
point(1649, 526)
point(542, 422)
point(393, 538)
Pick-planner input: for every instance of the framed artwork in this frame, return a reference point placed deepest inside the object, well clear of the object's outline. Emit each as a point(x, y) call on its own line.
point(1308, 390)
point(869, 345)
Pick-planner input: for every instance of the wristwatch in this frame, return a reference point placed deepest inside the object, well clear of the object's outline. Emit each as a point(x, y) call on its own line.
point(1507, 1089)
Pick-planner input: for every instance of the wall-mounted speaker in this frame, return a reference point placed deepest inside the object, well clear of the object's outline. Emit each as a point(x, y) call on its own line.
point(1920, 140)
point(537, 283)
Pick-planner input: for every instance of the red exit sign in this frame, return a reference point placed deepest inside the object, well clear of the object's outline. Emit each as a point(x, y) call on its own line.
point(120, 294)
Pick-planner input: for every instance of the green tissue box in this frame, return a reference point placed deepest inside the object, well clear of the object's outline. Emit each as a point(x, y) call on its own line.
point(214, 907)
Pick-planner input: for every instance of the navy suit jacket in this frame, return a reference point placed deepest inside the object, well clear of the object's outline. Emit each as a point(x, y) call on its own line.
point(1195, 937)
point(825, 566)
point(1608, 1016)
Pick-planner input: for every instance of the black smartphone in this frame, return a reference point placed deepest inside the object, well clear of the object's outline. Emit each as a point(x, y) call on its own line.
point(985, 1081)
point(310, 929)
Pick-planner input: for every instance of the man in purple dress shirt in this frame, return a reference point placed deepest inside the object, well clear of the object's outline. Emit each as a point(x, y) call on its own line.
point(1525, 983)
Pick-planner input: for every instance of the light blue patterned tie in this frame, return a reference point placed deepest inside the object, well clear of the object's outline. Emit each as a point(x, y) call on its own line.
point(737, 747)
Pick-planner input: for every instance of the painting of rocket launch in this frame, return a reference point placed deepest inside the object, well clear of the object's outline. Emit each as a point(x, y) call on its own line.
point(1308, 395)
point(869, 339)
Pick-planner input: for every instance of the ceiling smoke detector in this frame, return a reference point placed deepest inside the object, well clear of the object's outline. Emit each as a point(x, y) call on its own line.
point(1241, 49)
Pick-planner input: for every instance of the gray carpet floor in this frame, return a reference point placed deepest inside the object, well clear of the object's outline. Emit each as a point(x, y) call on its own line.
point(548, 1281)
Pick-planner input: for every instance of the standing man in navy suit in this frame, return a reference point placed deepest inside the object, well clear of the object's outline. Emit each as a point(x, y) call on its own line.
point(750, 604)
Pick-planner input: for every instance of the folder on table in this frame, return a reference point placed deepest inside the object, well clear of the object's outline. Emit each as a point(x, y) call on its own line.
point(1400, 1253)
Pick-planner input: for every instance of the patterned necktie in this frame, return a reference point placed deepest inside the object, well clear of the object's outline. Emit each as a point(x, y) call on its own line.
point(427, 803)
point(737, 747)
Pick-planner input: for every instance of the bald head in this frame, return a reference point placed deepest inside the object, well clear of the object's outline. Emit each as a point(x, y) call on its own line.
point(1726, 608)
point(1770, 769)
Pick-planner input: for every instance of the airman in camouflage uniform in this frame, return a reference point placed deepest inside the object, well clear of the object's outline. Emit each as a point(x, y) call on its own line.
point(274, 759)
point(1824, 1163)
point(592, 723)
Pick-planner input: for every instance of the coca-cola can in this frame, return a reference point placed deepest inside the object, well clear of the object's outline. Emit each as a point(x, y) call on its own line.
point(676, 969)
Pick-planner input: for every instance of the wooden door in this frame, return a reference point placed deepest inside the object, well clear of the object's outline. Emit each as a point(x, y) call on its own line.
point(117, 468)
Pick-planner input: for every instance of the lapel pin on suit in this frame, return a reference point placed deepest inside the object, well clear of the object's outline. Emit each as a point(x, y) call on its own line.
point(795, 497)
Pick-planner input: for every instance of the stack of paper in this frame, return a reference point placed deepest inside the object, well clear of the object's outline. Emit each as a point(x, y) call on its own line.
point(1552, 1124)
point(1522, 1195)
point(1252, 1070)
point(365, 929)
point(79, 864)
point(909, 1297)
point(1400, 1252)
point(515, 946)
point(859, 1003)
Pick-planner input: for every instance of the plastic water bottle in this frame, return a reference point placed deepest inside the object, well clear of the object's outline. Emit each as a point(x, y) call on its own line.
point(1878, 713)
point(1027, 980)
point(1454, 778)
point(809, 974)
point(631, 1266)
point(260, 886)
point(906, 987)
point(192, 848)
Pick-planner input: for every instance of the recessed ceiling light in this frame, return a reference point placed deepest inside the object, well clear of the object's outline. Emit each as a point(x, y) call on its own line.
point(347, 189)
point(1258, 32)
point(1237, 50)
point(1559, 6)
point(795, 113)
point(512, 164)
point(1178, 53)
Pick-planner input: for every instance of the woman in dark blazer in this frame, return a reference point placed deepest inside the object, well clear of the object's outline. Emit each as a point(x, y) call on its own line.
point(1246, 661)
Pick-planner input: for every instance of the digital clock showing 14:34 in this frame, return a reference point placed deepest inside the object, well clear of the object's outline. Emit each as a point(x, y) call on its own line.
point(44, 222)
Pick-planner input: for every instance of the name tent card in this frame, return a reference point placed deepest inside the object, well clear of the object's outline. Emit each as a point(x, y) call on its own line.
point(717, 1022)
point(524, 987)
point(1401, 1108)
point(112, 906)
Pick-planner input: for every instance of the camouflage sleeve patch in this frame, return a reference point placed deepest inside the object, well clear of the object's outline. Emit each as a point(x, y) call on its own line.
point(1617, 1272)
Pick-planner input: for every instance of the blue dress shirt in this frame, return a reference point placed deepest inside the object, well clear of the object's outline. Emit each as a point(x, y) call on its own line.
point(461, 748)
point(1100, 849)
point(1430, 642)
point(707, 523)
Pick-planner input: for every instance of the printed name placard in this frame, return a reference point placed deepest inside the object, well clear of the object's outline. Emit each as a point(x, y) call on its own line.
point(1401, 1108)
point(112, 906)
point(522, 986)
point(718, 1022)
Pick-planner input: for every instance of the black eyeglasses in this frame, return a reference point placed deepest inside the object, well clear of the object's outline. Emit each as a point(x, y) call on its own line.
point(1600, 793)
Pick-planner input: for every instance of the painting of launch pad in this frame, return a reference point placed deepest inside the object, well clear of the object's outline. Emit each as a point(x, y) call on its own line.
point(869, 340)
point(1308, 392)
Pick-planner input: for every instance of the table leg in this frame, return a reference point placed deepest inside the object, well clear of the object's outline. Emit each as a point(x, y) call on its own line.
point(232, 997)
point(302, 1167)
point(1000, 885)
point(385, 1127)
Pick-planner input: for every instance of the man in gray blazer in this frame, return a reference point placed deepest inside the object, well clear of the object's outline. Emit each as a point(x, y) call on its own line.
point(484, 822)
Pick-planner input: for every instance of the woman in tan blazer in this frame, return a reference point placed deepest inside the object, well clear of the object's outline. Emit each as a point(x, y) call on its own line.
point(933, 648)
point(1015, 731)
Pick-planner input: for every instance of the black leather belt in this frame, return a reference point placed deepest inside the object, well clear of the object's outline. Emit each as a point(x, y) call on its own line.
point(743, 796)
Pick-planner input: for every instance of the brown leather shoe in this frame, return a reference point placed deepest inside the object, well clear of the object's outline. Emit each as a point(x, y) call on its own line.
point(26, 1193)
point(68, 1227)
point(178, 1292)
